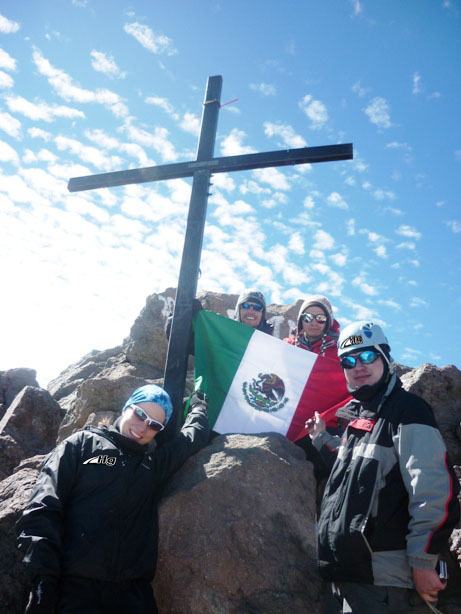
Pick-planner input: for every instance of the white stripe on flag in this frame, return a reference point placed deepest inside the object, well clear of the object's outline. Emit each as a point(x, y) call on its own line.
point(265, 355)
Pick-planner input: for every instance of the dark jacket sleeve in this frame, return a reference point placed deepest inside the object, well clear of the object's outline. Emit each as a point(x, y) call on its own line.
point(328, 446)
point(40, 528)
point(193, 436)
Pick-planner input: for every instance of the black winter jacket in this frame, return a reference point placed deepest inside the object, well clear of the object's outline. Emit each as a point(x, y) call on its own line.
point(390, 501)
point(93, 510)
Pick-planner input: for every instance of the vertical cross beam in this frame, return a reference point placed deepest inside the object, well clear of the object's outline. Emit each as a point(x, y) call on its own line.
point(177, 357)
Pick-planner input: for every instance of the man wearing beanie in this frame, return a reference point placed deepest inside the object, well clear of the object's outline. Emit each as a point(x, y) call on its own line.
point(251, 310)
point(390, 501)
point(90, 530)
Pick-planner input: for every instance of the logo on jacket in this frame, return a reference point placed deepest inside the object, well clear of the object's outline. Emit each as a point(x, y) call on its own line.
point(352, 340)
point(266, 393)
point(102, 459)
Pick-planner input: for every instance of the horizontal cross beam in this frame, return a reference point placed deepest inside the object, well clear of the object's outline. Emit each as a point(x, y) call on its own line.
point(288, 157)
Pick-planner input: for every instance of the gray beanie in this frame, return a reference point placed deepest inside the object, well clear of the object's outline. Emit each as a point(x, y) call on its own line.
point(319, 301)
point(252, 295)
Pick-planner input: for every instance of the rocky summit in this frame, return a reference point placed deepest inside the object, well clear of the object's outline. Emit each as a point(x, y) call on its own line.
point(237, 523)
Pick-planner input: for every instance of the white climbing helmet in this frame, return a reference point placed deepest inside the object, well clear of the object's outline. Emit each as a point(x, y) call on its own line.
point(361, 335)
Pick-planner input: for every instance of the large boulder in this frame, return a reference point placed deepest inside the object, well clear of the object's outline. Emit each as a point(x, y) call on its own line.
point(29, 427)
point(102, 396)
point(14, 494)
point(237, 531)
point(12, 382)
point(441, 388)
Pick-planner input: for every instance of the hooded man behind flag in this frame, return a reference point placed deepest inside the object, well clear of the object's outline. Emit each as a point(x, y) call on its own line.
point(255, 383)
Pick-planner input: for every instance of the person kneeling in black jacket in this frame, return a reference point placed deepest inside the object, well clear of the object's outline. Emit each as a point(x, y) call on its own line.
point(89, 533)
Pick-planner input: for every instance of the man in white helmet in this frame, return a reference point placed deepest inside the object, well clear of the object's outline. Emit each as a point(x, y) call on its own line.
point(390, 501)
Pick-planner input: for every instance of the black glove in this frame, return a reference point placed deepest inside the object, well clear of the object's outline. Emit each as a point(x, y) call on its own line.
point(43, 596)
point(198, 399)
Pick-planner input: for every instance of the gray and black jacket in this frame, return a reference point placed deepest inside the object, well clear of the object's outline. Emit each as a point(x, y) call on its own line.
point(390, 501)
point(93, 510)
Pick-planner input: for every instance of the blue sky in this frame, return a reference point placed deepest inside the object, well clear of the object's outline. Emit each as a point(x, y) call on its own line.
point(91, 86)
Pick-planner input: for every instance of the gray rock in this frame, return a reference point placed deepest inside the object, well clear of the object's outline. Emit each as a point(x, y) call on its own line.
point(11, 454)
point(12, 382)
point(14, 493)
point(90, 365)
point(441, 388)
point(237, 530)
point(30, 424)
point(106, 392)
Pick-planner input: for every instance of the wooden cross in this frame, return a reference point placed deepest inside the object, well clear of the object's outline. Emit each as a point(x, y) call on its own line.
point(201, 170)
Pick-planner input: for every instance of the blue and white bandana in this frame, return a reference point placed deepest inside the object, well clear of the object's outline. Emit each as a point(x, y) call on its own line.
point(150, 393)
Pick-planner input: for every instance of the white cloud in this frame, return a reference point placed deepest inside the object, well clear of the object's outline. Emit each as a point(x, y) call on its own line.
point(323, 240)
point(41, 111)
point(105, 64)
point(273, 177)
point(158, 140)
point(390, 303)
point(223, 181)
point(264, 88)
point(10, 125)
point(156, 43)
point(397, 145)
point(6, 60)
point(394, 211)
point(6, 81)
point(309, 202)
point(357, 7)
point(406, 245)
point(381, 251)
point(339, 259)
point(408, 231)
point(8, 26)
point(350, 226)
point(134, 150)
point(65, 87)
point(416, 80)
point(379, 113)
point(38, 133)
point(163, 103)
point(296, 244)
point(190, 123)
point(365, 287)
point(418, 302)
point(315, 110)
point(336, 200)
point(454, 225)
point(286, 133)
point(252, 187)
point(380, 194)
point(232, 145)
point(8, 154)
point(358, 89)
point(88, 154)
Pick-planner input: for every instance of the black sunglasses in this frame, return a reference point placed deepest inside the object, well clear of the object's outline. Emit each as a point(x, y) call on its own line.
point(255, 306)
point(319, 317)
point(366, 357)
point(141, 414)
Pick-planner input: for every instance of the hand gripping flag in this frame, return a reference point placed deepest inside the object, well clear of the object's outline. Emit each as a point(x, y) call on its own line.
point(256, 383)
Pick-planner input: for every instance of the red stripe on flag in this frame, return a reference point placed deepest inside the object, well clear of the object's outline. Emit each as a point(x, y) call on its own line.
point(325, 391)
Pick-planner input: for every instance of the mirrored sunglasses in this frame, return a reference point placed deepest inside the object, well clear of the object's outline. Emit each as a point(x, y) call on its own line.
point(141, 414)
point(309, 317)
point(255, 306)
point(366, 358)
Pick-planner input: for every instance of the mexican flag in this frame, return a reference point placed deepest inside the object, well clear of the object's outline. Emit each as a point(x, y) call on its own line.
point(257, 383)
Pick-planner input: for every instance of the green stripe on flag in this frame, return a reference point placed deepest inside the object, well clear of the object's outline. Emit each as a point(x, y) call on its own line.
point(215, 363)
